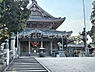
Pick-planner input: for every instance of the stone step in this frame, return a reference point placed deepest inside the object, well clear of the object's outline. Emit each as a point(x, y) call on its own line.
point(29, 71)
point(17, 69)
point(26, 65)
point(26, 61)
point(33, 65)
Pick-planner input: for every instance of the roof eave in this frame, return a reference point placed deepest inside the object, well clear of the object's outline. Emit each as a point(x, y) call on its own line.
point(47, 20)
point(60, 22)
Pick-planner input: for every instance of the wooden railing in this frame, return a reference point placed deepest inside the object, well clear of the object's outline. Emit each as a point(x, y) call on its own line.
point(3, 59)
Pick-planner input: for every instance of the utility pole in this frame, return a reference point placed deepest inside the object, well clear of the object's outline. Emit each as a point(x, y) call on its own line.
point(85, 33)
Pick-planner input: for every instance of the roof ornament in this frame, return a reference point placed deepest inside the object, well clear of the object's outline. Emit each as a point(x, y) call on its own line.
point(34, 1)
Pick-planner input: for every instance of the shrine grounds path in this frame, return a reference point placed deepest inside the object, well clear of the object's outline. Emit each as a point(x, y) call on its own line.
point(26, 64)
point(70, 64)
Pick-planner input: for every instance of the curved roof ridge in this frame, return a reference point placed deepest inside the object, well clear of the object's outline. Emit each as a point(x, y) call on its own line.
point(34, 5)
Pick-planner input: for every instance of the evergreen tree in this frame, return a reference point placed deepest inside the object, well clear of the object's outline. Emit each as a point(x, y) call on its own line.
point(14, 14)
point(1, 1)
point(92, 32)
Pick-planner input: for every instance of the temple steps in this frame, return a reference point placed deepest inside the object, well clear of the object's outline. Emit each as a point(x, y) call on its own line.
point(29, 71)
point(26, 65)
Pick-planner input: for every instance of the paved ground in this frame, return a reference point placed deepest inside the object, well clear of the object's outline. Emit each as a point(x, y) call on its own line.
point(81, 64)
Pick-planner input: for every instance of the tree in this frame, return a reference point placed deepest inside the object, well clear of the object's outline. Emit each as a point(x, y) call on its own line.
point(92, 32)
point(1, 1)
point(14, 14)
point(77, 39)
point(3, 29)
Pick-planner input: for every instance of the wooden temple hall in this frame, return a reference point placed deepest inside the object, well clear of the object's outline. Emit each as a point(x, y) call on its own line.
point(40, 33)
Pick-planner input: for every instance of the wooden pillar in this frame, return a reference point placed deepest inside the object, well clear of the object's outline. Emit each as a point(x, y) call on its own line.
point(62, 43)
point(29, 47)
point(41, 44)
point(51, 46)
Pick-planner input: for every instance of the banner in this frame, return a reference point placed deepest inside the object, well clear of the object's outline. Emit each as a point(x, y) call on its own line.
point(35, 44)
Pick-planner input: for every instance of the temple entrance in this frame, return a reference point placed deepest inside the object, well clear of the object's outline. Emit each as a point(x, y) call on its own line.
point(34, 48)
point(29, 48)
point(24, 48)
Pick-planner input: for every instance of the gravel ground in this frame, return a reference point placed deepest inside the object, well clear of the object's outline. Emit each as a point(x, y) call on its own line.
point(70, 64)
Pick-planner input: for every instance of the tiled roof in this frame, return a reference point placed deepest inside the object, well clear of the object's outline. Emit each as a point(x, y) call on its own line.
point(47, 32)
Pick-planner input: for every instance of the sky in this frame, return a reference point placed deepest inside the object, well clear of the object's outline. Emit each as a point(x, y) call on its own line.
point(72, 10)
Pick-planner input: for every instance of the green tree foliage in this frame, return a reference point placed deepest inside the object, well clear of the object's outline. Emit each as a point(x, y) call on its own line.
point(1, 1)
point(77, 39)
point(14, 14)
point(92, 32)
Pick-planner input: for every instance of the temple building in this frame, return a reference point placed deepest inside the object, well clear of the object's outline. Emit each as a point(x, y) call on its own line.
point(41, 32)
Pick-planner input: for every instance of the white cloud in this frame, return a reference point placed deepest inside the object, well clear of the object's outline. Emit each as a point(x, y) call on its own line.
point(75, 25)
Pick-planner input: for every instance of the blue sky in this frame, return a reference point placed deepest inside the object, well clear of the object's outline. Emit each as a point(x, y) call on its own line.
point(72, 10)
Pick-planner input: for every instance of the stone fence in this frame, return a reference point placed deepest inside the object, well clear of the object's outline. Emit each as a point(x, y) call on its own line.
point(5, 60)
point(7, 56)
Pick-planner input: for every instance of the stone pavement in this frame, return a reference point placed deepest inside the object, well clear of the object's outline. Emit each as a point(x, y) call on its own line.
point(70, 64)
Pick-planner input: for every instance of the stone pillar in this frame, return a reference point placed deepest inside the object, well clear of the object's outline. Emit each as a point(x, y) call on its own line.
point(29, 47)
point(61, 51)
point(6, 49)
point(86, 51)
point(13, 45)
point(51, 47)
point(62, 43)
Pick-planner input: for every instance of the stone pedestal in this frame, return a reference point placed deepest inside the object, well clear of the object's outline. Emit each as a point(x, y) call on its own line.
point(61, 54)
